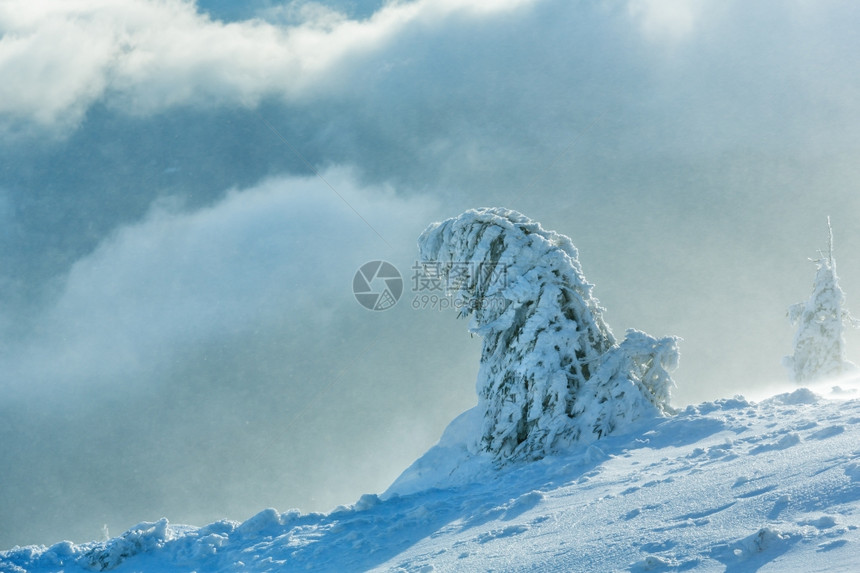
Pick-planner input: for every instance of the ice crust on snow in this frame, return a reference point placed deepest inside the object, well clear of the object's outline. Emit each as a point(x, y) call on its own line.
point(551, 371)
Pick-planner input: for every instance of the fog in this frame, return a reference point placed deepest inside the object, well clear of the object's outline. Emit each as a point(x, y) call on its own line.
point(186, 191)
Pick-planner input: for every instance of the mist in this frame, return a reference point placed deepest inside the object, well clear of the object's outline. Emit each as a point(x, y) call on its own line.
point(180, 225)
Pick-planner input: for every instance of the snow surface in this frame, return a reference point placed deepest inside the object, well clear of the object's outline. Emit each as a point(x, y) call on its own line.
point(728, 485)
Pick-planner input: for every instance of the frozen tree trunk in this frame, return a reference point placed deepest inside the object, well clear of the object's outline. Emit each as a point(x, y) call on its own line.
point(819, 345)
point(551, 372)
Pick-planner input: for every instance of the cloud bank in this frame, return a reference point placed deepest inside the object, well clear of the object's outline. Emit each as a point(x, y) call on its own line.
point(144, 57)
point(184, 277)
point(200, 340)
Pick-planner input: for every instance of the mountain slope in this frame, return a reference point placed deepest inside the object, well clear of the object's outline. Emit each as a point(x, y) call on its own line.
point(723, 486)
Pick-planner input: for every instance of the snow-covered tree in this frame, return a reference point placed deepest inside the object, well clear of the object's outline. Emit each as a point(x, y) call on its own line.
point(633, 377)
point(551, 371)
point(819, 346)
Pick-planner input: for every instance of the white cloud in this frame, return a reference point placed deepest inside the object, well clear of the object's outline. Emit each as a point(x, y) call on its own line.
point(57, 57)
point(284, 251)
point(666, 20)
point(195, 342)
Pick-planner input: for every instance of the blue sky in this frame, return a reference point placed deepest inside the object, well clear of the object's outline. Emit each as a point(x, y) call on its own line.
point(178, 330)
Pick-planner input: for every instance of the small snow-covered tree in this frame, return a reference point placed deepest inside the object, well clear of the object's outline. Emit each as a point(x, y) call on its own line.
point(819, 345)
point(633, 377)
point(547, 352)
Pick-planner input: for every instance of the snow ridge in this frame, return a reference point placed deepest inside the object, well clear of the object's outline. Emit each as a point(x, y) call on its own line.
point(721, 486)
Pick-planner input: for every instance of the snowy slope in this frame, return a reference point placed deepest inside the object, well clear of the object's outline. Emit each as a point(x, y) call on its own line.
point(723, 486)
